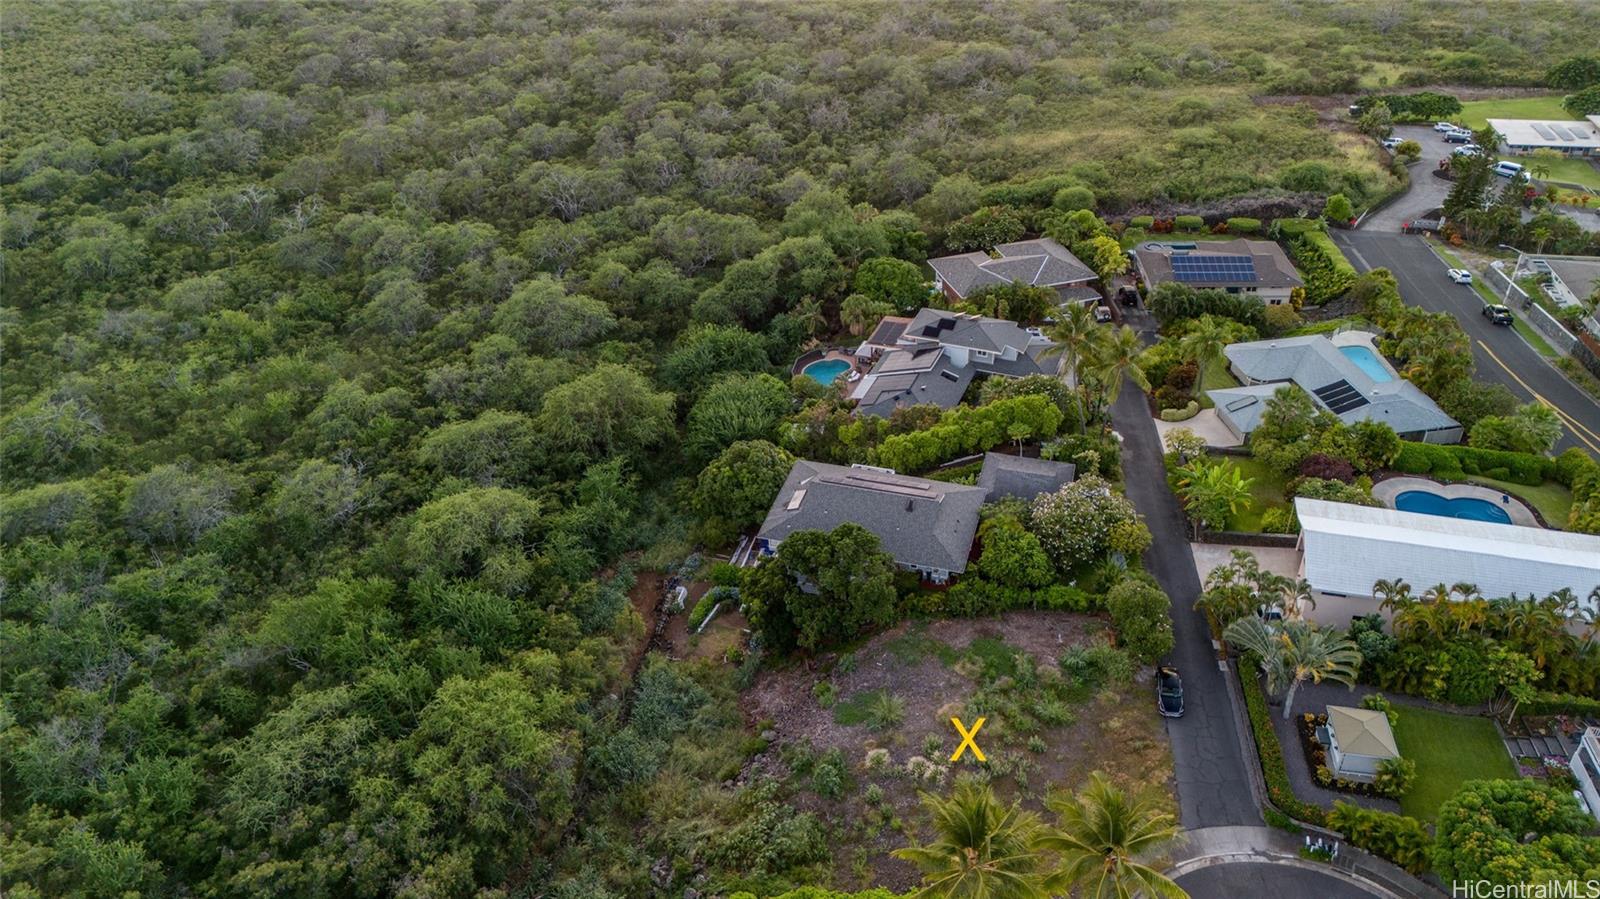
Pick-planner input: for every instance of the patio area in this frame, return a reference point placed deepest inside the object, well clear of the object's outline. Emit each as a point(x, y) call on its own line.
point(1206, 425)
point(845, 366)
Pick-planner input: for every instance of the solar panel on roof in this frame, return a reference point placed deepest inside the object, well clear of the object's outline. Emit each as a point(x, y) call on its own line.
point(1544, 131)
point(1563, 132)
point(1340, 397)
point(1213, 268)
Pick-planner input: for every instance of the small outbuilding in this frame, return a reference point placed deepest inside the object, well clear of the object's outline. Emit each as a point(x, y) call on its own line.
point(1007, 476)
point(1358, 741)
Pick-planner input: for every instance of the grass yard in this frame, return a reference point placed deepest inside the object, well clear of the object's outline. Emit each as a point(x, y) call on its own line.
point(1266, 487)
point(1214, 376)
point(1449, 750)
point(1553, 501)
point(1476, 113)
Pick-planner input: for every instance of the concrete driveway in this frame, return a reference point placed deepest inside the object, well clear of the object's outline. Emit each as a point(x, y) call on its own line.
point(1500, 355)
point(1427, 193)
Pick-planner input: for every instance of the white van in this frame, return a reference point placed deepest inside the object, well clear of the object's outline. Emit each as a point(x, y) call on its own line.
point(1507, 169)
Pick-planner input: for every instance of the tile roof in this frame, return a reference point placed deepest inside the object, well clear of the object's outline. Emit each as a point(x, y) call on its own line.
point(922, 523)
point(1272, 266)
point(1005, 475)
point(1036, 263)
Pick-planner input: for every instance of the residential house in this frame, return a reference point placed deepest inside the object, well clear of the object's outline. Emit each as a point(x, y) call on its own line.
point(1005, 476)
point(933, 356)
point(1358, 741)
point(1346, 377)
point(1572, 279)
point(1345, 549)
point(1257, 268)
point(1586, 769)
point(1033, 263)
point(927, 526)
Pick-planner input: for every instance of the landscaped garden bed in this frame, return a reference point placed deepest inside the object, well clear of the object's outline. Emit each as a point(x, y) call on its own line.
point(1317, 759)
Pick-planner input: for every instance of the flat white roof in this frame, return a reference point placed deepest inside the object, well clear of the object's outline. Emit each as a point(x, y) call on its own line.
point(1349, 547)
point(1561, 134)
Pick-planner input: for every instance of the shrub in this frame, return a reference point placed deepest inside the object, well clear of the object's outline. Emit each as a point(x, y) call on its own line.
point(1141, 614)
point(1074, 523)
point(1279, 790)
point(1243, 225)
point(702, 609)
point(1321, 465)
point(966, 429)
point(1328, 273)
point(1097, 664)
point(1142, 221)
point(1395, 777)
point(1182, 376)
point(1377, 702)
point(1398, 838)
point(1190, 410)
point(1454, 463)
point(1188, 223)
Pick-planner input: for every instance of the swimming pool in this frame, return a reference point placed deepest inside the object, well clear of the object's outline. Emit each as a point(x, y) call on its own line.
point(1367, 361)
point(826, 371)
point(1466, 507)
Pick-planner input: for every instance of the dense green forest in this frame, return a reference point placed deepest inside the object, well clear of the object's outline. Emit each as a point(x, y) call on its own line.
point(358, 357)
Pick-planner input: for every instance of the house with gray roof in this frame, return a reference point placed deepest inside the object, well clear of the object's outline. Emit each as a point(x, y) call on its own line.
point(1006, 476)
point(1257, 268)
point(927, 526)
point(935, 355)
point(1346, 377)
point(1032, 263)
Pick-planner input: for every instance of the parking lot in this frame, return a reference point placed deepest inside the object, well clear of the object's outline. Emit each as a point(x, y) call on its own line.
point(1427, 193)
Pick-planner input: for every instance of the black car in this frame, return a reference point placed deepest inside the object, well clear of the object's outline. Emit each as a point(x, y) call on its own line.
point(1499, 315)
point(1169, 692)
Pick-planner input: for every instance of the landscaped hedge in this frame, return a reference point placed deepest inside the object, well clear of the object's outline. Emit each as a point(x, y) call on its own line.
point(1267, 746)
point(967, 429)
point(1188, 223)
point(1243, 225)
point(1142, 221)
point(1187, 412)
point(1561, 704)
point(1294, 227)
point(1422, 106)
point(1328, 274)
point(1399, 838)
point(1454, 463)
point(973, 597)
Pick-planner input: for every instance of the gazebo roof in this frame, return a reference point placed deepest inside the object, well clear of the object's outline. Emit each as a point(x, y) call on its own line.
point(1362, 732)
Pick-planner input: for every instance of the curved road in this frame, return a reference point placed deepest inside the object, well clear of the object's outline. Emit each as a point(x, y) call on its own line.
point(1232, 881)
point(1501, 356)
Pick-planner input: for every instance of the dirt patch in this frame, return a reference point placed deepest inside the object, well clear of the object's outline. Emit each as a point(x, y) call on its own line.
point(885, 709)
point(645, 597)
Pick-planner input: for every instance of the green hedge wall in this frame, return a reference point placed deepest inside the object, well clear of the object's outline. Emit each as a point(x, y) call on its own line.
point(1271, 752)
point(1243, 225)
point(1454, 463)
point(1188, 223)
point(1328, 274)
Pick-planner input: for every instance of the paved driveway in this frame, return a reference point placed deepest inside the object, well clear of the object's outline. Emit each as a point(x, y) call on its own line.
point(1213, 785)
point(1234, 881)
point(1501, 356)
point(1427, 193)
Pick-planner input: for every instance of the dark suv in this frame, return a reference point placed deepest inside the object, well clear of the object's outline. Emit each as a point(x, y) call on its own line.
point(1497, 314)
point(1169, 692)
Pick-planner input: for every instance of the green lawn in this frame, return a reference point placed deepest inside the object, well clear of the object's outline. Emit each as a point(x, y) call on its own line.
point(1267, 488)
point(1214, 376)
point(1476, 113)
point(1449, 750)
point(1552, 500)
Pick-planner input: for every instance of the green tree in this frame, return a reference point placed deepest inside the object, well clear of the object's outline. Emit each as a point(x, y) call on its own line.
point(1338, 209)
point(737, 407)
point(542, 316)
point(611, 410)
point(1115, 359)
point(1532, 428)
point(980, 849)
point(1101, 836)
point(1012, 555)
point(1142, 616)
point(1295, 651)
point(1213, 493)
point(1573, 73)
point(735, 490)
point(899, 283)
point(821, 588)
point(1071, 340)
point(1202, 344)
point(1074, 523)
point(494, 448)
point(706, 352)
point(1585, 102)
point(858, 310)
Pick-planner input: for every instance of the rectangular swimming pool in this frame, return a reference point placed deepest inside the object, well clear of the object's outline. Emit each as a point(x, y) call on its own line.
point(1368, 362)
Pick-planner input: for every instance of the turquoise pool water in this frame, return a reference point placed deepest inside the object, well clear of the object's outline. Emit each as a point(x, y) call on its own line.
point(1367, 361)
point(825, 371)
point(1460, 507)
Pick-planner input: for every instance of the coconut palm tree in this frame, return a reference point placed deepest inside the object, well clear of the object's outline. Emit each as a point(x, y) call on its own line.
point(1071, 336)
point(980, 849)
point(1116, 356)
point(1101, 835)
point(1203, 344)
point(857, 310)
point(1294, 652)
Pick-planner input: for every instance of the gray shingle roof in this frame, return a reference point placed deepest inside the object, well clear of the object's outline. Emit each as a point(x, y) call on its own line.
point(972, 331)
point(1313, 362)
point(920, 522)
point(1036, 263)
point(1005, 476)
point(1242, 406)
point(909, 377)
point(1273, 268)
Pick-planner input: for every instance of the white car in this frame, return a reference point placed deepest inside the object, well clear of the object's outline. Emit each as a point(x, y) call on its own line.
point(1391, 142)
point(1460, 275)
point(1444, 127)
point(1468, 150)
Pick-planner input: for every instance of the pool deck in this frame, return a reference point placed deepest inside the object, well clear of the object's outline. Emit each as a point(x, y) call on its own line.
point(1386, 490)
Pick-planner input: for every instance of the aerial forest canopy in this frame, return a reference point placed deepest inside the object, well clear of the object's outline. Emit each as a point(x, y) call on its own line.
point(358, 358)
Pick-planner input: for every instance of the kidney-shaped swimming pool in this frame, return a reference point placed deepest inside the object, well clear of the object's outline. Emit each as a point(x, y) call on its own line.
point(1470, 508)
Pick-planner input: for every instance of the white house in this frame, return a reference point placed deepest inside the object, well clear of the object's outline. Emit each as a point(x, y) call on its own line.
point(1586, 769)
point(1359, 740)
point(1569, 137)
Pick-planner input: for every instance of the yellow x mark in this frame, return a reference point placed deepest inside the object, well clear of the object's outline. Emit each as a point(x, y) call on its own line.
point(966, 739)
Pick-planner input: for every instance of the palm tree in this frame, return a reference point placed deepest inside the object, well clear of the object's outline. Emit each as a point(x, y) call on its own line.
point(1391, 595)
point(981, 849)
point(1071, 337)
point(857, 310)
point(1101, 835)
point(1115, 356)
point(1294, 652)
point(1203, 344)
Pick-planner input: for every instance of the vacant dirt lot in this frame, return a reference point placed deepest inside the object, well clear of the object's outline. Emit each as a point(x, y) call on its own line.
point(1044, 730)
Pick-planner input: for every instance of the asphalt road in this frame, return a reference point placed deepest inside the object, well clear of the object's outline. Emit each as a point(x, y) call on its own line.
point(1233, 881)
point(1427, 193)
point(1213, 788)
point(1500, 355)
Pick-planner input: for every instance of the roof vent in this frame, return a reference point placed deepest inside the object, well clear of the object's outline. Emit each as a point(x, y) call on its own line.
point(911, 505)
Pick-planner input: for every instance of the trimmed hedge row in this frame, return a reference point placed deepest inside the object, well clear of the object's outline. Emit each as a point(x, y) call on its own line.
point(1271, 752)
point(1187, 412)
point(1188, 223)
point(973, 597)
point(1328, 273)
point(1243, 225)
point(1561, 704)
point(1454, 463)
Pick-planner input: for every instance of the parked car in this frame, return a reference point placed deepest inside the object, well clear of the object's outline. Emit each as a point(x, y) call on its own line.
point(1458, 137)
point(1468, 150)
point(1445, 127)
point(1169, 692)
point(1389, 143)
point(1497, 314)
point(1460, 275)
point(1102, 314)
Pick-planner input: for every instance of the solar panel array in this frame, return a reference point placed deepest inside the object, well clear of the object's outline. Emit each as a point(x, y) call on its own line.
point(1340, 397)
point(1554, 131)
point(1213, 268)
